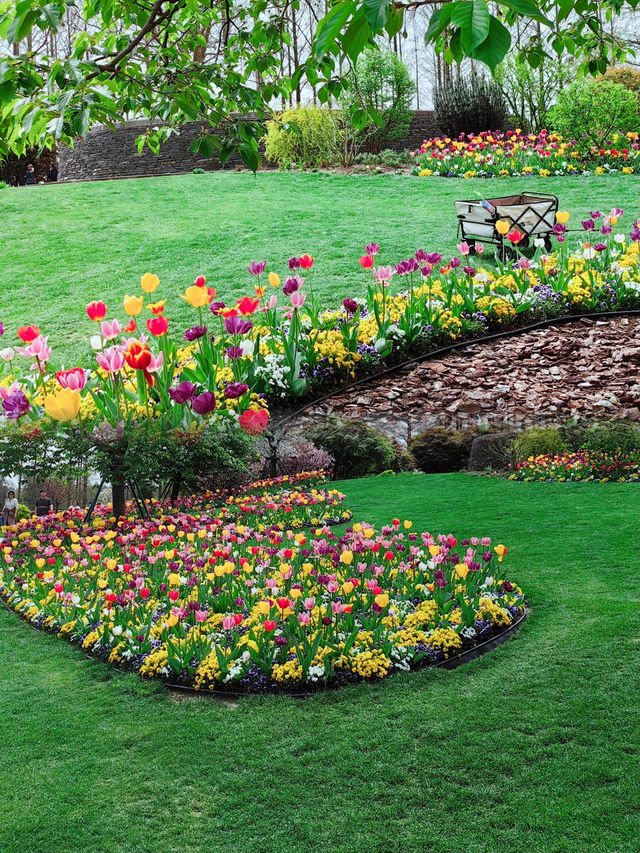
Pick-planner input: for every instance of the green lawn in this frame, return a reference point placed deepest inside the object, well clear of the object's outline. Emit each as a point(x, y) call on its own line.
point(65, 245)
point(532, 747)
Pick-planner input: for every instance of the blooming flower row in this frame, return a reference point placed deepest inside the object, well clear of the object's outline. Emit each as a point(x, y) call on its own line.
point(515, 153)
point(583, 465)
point(219, 603)
point(282, 342)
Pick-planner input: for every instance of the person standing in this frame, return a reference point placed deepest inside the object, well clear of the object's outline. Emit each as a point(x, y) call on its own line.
point(43, 505)
point(10, 509)
point(30, 177)
point(52, 174)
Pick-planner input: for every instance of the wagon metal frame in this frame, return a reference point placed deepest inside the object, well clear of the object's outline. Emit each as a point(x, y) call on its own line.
point(532, 213)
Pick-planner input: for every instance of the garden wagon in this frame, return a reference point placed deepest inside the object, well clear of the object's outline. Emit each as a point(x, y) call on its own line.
point(533, 214)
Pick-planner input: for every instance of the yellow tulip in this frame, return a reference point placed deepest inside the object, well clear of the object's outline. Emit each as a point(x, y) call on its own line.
point(500, 550)
point(347, 587)
point(64, 406)
point(462, 570)
point(382, 600)
point(196, 296)
point(502, 226)
point(40, 562)
point(133, 305)
point(149, 282)
point(346, 558)
point(563, 216)
point(274, 279)
point(263, 607)
point(434, 550)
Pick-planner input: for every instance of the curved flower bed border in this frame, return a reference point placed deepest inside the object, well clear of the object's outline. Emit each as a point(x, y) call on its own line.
point(485, 339)
point(448, 663)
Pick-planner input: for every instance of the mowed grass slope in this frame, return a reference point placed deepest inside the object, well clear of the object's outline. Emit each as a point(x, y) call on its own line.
point(532, 747)
point(64, 245)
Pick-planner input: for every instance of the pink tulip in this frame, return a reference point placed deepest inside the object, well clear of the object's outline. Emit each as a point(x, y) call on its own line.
point(524, 263)
point(304, 618)
point(479, 248)
point(332, 586)
point(156, 363)
point(228, 622)
point(298, 298)
point(7, 392)
point(270, 303)
point(37, 349)
point(309, 603)
point(383, 274)
point(463, 248)
point(110, 330)
point(111, 359)
point(337, 606)
point(200, 615)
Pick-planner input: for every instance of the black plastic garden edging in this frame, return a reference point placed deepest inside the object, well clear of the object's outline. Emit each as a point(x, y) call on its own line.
point(541, 324)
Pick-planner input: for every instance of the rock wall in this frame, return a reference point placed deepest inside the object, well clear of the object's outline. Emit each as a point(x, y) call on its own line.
point(108, 153)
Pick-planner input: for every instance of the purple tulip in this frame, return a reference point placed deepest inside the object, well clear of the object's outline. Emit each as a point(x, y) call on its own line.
point(194, 333)
point(235, 389)
point(237, 325)
point(595, 214)
point(294, 263)
point(421, 256)
point(426, 270)
point(216, 307)
point(434, 258)
point(588, 224)
point(469, 270)
point(182, 393)
point(234, 352)
point(455, 263)
point(439, 578)
point(1, 329)
point(559, 228)
point(561, 238)
point(606, 229)
point(257, 267)
point(15, 405)
point(350, 305)
point(406, 267)
point(600, 247)
point(372, 249)
point(293, 283)
point(635, 235)
point(204, 403)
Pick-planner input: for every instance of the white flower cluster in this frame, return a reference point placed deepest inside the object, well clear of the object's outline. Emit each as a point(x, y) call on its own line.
point(315, 672)
point(273, 371)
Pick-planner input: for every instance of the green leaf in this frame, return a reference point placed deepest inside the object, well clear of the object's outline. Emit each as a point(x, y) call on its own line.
point(331, 25)
point(529, 9)
point(356, 36)
point(495, 47)
point(51, 14)
point(376, 11)
point(395, 20)
point(437, 23)
point(472, 16)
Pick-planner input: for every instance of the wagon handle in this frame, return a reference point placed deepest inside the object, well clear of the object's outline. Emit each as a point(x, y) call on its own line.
point(544, 195)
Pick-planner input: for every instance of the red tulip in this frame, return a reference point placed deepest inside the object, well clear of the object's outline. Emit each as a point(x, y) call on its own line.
point(138, 355)
point(366, 261)
point(200, 281)
point(515, 236)
point(28, 334)
point(306, 262)
point(269, 625)
point(96, 311)
point(158, 325)
point(254, 422)
point(144, 592)
point(282, 603)
point(174, 594)
point(248, 305)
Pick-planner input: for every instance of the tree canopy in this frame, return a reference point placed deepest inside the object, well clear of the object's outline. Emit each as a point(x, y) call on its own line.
point(173, 61)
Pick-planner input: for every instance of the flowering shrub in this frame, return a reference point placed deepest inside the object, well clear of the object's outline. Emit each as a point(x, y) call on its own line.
point(493, 154)
point(583, 465)
point(226, 598)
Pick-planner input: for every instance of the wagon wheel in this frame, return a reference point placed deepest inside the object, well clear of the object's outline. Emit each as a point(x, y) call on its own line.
point(505, 253)
point(548, 245)
point(472, 246)
point(524, 243)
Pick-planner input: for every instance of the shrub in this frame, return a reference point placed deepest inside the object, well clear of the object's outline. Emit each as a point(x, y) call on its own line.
point(610, 436)
point(626, 76)
point(469, 106)
point(539, 441)
point(493, 450)
point(380, 82)
point(197, 171)
point(439, 450)
point(3, 185)
point(594, 111)
point(388, 157)
point(308, 136)
point(357, 449)
point(305, 457)
point(23, 512)
point(529, 92)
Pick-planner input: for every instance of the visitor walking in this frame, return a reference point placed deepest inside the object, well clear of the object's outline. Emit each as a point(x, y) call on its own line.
point(30, 177)
point(43, 505)
point(10, 509)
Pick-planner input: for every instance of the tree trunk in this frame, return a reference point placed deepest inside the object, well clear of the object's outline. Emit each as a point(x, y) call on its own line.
point(175, 489)
point(118, 490)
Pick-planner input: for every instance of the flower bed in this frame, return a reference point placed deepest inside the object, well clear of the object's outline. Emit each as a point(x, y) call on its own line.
point(497, 154)
point(196, 599)
point(239, 358)
point(584, 465)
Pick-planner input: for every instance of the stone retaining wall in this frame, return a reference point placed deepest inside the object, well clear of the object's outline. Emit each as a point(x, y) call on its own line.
point(108, 153)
